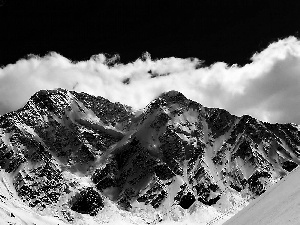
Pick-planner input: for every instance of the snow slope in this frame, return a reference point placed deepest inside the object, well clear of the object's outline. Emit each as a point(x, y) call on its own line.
point(280, 204)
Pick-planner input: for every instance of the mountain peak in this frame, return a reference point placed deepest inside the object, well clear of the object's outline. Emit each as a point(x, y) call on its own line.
point(173, 96)
point(172, 93)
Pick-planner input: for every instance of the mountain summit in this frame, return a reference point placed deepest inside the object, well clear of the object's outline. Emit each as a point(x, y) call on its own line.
point(70, 154)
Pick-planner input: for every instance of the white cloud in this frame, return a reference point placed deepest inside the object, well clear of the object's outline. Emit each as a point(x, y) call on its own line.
point(268, 88)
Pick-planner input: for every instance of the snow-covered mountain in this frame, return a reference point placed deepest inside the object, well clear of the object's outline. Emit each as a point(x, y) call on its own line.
point(73, 158)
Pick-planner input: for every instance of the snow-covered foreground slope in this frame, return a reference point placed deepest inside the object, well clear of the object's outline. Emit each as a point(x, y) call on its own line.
point(280, 204)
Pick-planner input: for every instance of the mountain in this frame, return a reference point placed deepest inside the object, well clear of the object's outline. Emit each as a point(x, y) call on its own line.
point(74, 156)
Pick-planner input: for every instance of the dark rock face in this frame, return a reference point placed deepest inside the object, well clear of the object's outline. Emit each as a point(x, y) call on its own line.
point(87, 201)
point(219, 121)
point(289, 166)
point(187, 200)
point(41, 186)
point(254, 183)
point(104, 178)
point(203, 191)
point(176, 152)
point(154, 196)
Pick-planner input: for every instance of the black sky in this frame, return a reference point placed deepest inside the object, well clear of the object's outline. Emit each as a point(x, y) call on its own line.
point(211, 30)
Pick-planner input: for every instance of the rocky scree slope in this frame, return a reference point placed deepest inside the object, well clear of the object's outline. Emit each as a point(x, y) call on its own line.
point(68, 151)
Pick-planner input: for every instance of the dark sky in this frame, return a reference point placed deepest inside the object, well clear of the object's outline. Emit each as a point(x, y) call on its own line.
point(210, 30)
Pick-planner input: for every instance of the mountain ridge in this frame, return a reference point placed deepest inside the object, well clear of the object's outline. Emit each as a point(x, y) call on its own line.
point(72, 152)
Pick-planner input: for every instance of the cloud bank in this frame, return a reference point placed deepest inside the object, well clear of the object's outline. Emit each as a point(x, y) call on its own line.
point(268, 88)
